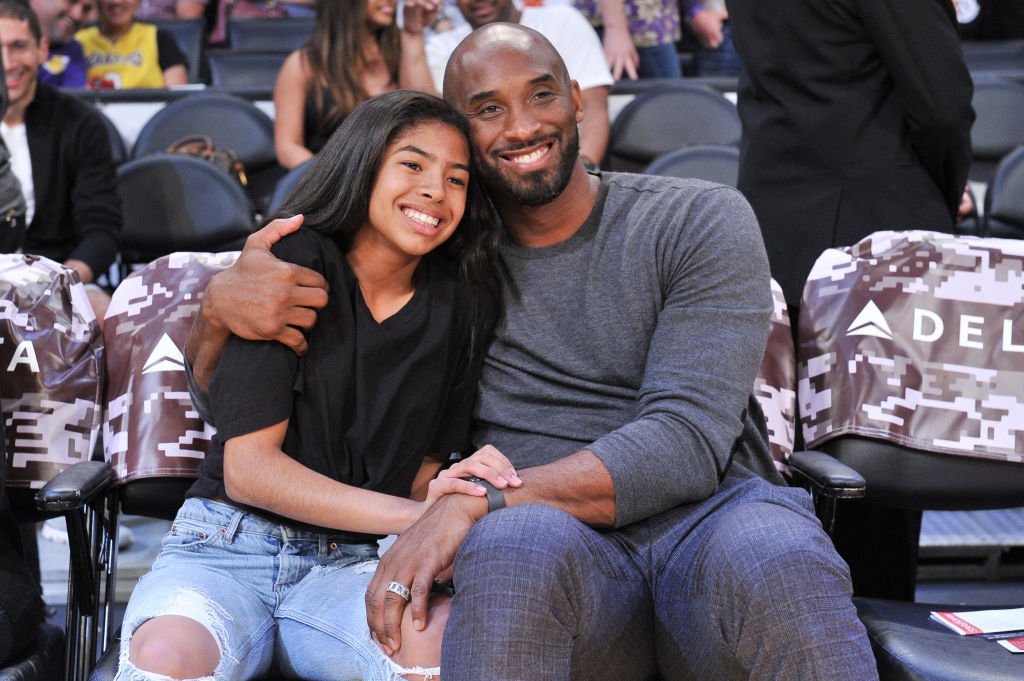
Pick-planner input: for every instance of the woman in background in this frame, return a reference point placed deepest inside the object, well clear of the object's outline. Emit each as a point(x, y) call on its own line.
point(355, 52)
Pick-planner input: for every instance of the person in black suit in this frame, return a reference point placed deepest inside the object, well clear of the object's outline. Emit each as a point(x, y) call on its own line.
point(856, 117)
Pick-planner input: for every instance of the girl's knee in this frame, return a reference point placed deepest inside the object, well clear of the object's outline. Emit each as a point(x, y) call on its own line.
point(173, 646)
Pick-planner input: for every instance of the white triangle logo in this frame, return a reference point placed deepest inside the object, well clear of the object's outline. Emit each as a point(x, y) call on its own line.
point(165, 357)
point(870, 322)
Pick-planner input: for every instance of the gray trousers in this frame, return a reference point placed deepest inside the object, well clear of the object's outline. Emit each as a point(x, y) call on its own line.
point(744, 585)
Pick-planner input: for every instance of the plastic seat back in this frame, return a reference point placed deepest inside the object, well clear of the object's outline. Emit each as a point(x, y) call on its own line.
point(711, 162)
point(190, 35)
point(998, 126)
point(1004, 213)
point(230, 70)
point(269, 35)
point(658, 121)
point(231, 122)
point(174, 202)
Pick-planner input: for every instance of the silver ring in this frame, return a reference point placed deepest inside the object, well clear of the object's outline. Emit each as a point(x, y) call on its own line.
point(401, 589)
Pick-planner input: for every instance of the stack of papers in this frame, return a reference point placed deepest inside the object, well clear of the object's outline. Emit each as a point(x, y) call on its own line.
point(1004, 626)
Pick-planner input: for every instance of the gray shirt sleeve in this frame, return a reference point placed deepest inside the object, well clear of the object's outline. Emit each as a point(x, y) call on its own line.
point(703, 356)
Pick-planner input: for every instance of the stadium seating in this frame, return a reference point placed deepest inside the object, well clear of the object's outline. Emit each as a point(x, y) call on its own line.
point(175, 202)
point(274, 35)
point(190, 34)
point(662, 120)
point(1004, 210)
point(999, 126)
point(711, 162)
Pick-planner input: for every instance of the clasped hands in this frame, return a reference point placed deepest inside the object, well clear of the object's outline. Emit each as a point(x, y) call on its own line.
point(427, 549)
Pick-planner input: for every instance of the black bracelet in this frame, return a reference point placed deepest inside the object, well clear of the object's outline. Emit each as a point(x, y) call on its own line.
point(495, 497)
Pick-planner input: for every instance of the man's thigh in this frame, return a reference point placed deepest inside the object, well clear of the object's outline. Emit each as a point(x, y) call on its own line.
point(539, 595)
point(754, 589)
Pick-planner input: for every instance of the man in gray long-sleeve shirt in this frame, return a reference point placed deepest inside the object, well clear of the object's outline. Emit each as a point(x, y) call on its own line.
point(648, 537)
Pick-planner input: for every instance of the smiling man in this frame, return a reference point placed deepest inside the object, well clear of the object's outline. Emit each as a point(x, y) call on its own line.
point(61, 155)
point(66, 64)
point(570, 34)
point(651, 536)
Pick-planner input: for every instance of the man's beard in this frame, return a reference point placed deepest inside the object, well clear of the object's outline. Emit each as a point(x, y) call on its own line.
point(534, 189)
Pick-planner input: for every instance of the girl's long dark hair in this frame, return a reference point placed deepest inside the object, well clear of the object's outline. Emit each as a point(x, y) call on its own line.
point(334, 193)
point(335, 58)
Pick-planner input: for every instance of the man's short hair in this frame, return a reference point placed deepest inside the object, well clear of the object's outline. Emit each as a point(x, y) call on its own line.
point(11, 9)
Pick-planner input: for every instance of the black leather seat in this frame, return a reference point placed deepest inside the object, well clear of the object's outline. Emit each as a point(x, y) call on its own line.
point(909, 645)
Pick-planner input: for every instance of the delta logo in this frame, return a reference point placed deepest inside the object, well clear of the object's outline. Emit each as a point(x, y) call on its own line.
point(930, 327)
point(165, 357)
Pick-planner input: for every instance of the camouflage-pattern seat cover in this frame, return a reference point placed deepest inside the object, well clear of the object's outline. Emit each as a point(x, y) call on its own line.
point(775, 385)
point(151, 428)
point(916, 338)
point(51, 369)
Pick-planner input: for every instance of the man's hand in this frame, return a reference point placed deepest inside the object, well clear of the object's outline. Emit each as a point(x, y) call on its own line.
point(263, 298)
point(420, 554)
point(707, 26)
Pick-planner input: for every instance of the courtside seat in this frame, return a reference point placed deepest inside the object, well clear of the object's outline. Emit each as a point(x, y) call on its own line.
point(911, 371)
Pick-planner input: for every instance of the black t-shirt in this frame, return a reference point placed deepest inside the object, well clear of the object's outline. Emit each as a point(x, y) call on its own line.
point(168, 52)
point(368, 400)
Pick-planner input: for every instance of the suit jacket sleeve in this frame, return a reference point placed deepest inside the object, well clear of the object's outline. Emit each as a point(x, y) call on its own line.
point(95, 203)
point(919, 43)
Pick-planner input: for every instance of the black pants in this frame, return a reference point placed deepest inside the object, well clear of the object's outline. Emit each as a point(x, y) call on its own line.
point(21, 606)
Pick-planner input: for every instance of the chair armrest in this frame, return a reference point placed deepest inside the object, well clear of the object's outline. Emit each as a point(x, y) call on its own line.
point(825, 475)
point(75, 486)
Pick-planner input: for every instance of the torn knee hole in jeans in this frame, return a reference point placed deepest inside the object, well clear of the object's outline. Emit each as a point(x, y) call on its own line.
point(399, 673)
point(195, 605)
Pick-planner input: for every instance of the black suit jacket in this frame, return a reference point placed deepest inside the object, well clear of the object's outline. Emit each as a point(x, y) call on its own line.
point(856, 117)
point(78, 210)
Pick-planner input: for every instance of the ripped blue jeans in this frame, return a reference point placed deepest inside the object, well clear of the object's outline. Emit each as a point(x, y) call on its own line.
point(243, 576)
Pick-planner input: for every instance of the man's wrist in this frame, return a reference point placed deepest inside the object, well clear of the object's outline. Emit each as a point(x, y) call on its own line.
point(495, 497)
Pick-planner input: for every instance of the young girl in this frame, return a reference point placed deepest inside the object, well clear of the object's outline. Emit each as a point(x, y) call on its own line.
point(355, 52)
point(317, 456)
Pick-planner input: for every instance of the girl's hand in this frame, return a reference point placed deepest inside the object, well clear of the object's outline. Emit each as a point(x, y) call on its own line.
point(487, 463)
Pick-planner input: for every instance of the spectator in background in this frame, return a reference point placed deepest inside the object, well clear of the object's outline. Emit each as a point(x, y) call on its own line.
point(708, 21)
point(856, 117)
point(170, 9)
point(651, 27)
point(60, 153)
point(356, 51)
point(125, 53)
point(571, 35)
point(65, 65)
